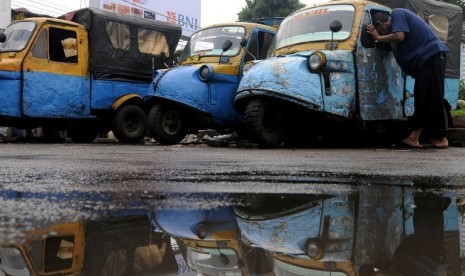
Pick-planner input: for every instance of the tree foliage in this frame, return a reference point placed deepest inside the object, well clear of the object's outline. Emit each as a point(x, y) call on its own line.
point(256, 9)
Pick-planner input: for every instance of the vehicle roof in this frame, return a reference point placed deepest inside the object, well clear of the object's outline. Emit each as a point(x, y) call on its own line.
point(41, 20)
point(247, 25)
point(83, 16)
point(350, 2)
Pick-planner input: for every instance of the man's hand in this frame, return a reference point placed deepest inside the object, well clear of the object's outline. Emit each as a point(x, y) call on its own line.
point(372, 30)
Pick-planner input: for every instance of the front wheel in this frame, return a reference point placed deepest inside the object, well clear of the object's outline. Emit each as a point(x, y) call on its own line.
point(129, 124)
point(265, 122)
point(166, 125)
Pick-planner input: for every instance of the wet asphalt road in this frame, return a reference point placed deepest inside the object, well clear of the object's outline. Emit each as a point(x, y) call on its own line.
point(138, 168)
point(48, 183)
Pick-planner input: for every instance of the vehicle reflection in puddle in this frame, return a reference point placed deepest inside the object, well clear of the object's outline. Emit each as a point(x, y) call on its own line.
point(385, 230)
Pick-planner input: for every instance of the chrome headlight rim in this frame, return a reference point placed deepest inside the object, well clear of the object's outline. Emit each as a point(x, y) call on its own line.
point(316, 62)
point(203, 231)
point(247, 67)
point(314, 249)
point(206, 73)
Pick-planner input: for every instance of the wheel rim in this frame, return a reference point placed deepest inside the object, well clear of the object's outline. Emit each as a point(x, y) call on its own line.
point(171, 122)
point(131, 124)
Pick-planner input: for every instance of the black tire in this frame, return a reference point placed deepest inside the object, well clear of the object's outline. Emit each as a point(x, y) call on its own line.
point(166, 124)
point(264, 120)
point(129, 125)
point(82, 134)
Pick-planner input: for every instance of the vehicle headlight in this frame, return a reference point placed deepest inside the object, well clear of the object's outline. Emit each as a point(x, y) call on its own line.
point(246, 68)
point(316, 62)
point(314, 249)
point(206, 73)
point(203, 231)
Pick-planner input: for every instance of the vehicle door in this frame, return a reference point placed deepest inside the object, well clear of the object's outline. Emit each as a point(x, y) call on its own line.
point(257, 46)
point(222, 94)
point(59, 254)
point(55, 82)
point(379, 78)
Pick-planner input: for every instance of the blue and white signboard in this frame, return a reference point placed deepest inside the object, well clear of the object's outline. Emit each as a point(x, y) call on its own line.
point(185, 13)
point(5, 13)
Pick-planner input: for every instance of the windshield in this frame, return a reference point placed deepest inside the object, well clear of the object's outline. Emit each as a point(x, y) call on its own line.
point(209, 42)
point(17, 36)
point(213, 261)
point(285, 269)
point(313, 25)
point(12, 262)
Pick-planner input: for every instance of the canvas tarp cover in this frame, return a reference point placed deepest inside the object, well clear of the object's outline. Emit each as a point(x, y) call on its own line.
point(426, 8)
point(127, 246)
point(128, 64)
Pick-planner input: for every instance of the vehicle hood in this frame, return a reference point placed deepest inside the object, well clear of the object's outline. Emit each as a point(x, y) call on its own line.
point(286, 78)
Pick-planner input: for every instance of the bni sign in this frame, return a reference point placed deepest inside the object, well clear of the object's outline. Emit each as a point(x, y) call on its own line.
point(185, 13)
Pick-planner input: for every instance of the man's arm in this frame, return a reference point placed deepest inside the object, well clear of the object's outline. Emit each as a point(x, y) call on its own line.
point(393, 37)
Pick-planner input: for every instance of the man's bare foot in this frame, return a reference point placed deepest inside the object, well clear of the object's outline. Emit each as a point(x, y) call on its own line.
point(411, 142)
point(441, 142)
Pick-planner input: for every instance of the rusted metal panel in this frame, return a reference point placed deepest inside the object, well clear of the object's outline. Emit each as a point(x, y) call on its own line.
point(380, 83)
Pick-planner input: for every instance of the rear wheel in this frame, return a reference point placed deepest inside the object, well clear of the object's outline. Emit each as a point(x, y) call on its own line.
point(166, 124)
point(129, 124)
point(265, 122)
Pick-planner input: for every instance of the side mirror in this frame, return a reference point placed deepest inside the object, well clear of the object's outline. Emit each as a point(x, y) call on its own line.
point(2, 37)
point(335, 26)
point(227, 45)
point(243, 42)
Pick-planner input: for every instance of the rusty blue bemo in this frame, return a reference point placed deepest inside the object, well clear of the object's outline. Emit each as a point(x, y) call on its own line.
point(349, 234)
point(85, 74)
point(325, 75)
point(198, 93)
point(210, 241)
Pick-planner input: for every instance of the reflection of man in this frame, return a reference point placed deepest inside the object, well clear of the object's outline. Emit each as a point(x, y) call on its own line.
point(421, 54)
point(424, 252)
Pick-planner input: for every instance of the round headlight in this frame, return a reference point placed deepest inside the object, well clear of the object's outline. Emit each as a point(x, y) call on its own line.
point(316, 62)
point(314, 249)
point(203, 231)
point(246, 68)
point(206, 73)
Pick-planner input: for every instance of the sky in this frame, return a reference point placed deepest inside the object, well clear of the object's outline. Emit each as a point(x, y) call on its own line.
point(212, 12)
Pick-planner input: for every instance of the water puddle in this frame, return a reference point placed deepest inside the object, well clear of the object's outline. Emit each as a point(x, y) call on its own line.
point(365, 230)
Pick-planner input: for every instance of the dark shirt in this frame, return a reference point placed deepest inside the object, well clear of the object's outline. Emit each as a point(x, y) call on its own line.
point(420, 42)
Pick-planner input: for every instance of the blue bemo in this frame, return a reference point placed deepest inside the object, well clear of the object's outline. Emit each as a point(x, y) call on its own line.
point(327, 76)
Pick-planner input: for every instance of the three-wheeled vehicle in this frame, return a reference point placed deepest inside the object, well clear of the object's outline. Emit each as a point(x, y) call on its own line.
point(123, 246)
point(85, 75)
point(326, 75)
point(351, 234)
point(198, 94)
point(210, 241)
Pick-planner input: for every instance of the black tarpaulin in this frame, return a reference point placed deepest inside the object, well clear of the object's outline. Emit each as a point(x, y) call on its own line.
point(127, 246)
point(130, 64)
point(425, 8)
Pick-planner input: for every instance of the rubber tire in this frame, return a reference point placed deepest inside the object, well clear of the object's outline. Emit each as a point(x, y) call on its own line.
point(158, 127)
point(264, 120)
point(129, 125)
point(83, 134)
